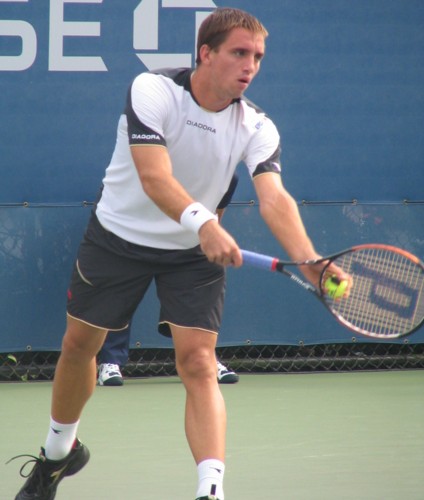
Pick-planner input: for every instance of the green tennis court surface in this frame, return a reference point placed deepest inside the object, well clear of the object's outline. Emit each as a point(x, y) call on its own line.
point(349, 436)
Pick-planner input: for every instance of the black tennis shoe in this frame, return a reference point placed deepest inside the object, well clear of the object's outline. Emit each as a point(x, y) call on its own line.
point(209, 497)
point(45, 476)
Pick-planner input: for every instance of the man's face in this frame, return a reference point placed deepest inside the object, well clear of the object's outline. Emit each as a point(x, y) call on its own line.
point(235, 63)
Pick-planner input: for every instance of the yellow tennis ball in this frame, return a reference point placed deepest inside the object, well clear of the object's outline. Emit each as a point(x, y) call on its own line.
point(335, 290)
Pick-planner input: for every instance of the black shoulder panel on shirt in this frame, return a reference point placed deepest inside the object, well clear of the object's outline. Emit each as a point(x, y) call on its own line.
point(272, 164)
point(180, 76)
point(252, 105)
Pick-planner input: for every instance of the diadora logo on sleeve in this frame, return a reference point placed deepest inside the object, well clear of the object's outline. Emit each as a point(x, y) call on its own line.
point(145, 137)
point(146, 31)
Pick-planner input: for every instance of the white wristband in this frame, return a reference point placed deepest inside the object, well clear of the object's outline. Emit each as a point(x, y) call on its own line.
point(195, 215)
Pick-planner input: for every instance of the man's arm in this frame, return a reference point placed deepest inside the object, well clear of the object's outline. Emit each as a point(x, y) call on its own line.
point(280, 212)
point(155, 171)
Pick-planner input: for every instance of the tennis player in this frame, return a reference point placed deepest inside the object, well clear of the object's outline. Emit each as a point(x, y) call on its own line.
point(178, 143)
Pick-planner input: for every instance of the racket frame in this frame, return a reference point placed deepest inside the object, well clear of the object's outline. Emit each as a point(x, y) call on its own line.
point(274, 264)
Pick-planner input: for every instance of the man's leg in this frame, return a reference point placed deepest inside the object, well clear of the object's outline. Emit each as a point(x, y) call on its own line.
point(74, 382)
point(205, 415)
point(75, 376)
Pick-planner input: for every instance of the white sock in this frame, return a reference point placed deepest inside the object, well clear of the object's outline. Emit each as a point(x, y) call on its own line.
point(60, 439)
point(211, 477)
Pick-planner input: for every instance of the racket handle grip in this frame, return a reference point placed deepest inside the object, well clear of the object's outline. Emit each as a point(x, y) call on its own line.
point(259, 260)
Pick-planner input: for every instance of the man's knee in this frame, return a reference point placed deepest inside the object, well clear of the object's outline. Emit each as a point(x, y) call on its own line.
point(199, 363)
point(81, 340)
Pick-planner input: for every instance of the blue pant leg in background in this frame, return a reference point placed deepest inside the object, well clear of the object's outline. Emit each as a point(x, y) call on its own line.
point(116, 347)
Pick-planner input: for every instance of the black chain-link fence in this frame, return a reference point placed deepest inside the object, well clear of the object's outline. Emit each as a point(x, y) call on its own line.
point(247, 359)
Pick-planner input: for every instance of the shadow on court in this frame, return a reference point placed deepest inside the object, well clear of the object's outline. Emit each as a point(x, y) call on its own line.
point(350, 436)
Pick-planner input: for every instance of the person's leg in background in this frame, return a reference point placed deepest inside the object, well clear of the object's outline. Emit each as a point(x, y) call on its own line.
point(225, 374)
point(113, 356)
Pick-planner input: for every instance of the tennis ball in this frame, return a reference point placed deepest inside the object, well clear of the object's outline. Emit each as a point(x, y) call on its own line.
point(334, 289)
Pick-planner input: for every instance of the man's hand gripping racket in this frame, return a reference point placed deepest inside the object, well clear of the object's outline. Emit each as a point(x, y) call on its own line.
point(380, 295)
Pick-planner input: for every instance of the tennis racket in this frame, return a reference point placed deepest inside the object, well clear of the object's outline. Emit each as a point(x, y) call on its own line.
point(386, 298)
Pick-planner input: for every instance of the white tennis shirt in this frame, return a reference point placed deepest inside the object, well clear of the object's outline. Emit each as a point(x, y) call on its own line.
point(205, 147)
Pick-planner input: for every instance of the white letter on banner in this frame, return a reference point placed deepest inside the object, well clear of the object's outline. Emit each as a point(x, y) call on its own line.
point(194, 4)
point(59, 29)
point(146, 25)
point(27, 34)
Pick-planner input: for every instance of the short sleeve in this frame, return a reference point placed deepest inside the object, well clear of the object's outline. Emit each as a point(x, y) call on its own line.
point(146, 110)
point(264, 149)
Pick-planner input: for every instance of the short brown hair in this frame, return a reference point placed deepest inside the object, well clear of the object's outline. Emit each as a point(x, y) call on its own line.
point(216, 27)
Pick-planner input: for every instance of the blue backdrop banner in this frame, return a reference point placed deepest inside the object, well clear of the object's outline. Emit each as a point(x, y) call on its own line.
point(342, 80)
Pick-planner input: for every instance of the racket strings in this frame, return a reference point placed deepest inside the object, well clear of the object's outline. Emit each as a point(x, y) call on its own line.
point(387, 295)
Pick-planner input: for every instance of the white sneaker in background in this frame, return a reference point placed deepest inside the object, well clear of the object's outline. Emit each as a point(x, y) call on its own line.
point(225, 375)
point(110, 375)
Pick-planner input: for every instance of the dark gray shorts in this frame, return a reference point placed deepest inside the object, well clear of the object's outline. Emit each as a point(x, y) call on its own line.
point(112, 275)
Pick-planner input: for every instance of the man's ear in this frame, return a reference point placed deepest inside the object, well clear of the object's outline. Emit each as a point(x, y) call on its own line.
point(204, 53)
